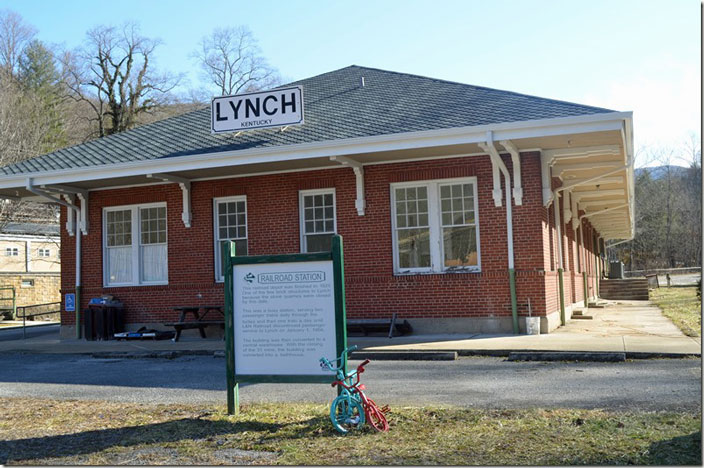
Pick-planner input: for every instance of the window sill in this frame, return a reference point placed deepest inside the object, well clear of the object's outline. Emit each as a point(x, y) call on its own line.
point(462, 271)
point(134, 285)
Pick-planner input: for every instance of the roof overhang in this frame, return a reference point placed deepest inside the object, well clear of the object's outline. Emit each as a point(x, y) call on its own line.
point(606, 130)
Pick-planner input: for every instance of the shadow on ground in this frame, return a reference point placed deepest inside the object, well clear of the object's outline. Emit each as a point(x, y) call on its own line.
point(82, 443)
point(90, 442)
point(683, 450)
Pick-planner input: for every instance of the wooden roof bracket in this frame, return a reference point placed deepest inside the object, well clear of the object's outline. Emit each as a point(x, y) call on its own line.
point(360, 203)
point(516, 163)
point(69, 194)
point(545, 178)
point(185, 185)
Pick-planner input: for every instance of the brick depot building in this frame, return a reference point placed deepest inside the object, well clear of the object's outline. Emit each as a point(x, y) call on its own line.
point(458, 204)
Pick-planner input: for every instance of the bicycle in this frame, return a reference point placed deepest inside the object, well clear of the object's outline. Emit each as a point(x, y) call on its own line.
point(352, 408)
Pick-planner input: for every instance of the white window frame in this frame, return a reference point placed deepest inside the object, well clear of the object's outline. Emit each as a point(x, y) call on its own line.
point(301, 212)
point(219, 276)
point(435, 225)
point(44, 252)
point(136, 244)
point(12, 252)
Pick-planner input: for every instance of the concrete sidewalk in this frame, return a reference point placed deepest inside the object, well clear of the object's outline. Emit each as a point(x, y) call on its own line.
point(636, 328)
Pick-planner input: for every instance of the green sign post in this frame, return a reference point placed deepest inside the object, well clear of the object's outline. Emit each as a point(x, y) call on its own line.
point(282, 314)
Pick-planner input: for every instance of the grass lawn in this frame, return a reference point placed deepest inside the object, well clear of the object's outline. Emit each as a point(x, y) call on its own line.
point(680, 304)
point(39, 432)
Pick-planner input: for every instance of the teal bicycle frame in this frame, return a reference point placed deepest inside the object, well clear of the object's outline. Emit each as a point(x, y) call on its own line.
point(346, 411)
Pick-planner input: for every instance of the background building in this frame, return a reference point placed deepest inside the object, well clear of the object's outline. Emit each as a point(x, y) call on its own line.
point(30, 262)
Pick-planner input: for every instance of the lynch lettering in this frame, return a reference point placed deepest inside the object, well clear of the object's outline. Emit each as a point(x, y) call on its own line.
point(280, 107)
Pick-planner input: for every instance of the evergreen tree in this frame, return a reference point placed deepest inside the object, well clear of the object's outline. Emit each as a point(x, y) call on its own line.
point(39, 76)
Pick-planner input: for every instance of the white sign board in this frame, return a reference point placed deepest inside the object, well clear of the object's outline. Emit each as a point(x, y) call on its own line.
point(275, 108)
point(284, 317)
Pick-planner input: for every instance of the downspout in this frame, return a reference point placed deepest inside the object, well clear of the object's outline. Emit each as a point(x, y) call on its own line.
point(577, 224)
point(68, 206)
point(597, 261)
point(560, 267)
point(496, 162)
point(584, 264)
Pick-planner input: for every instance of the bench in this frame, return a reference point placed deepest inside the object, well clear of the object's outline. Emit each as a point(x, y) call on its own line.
point(392, 326)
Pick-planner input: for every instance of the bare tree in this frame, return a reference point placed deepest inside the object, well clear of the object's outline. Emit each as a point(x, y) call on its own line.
point(231, 60)
point(113, 74)
point(15, 35)
point(668, 209)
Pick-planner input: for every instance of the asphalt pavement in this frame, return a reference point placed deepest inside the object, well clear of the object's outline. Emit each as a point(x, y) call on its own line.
point(30, 332)
point(476, 382)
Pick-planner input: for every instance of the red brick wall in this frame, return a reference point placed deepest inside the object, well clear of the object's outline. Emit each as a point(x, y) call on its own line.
point(372, 289)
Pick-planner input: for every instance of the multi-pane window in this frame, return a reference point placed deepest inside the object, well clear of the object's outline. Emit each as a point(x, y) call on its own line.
point(412, 228)
point(12, 252)
point(435, 226)
point(230, 225)
point(153, 248)
point(119, 247)
point(459, 227)
point(318, 223)
point(136, 245)
point(44, 253)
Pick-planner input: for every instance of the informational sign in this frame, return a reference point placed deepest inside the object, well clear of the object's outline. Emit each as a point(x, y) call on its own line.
point(276, 108)
point(70, 302)
point(282, 314)
point(284, 318)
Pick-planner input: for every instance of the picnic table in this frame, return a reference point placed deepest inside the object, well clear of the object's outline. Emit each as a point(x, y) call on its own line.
point(200, 318)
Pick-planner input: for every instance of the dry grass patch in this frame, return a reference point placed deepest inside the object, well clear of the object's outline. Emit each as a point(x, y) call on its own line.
point(680, 304)
point(77, 432)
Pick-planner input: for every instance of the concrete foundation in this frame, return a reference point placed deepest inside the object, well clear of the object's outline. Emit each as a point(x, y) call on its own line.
point(68, 332)
point(481, 325)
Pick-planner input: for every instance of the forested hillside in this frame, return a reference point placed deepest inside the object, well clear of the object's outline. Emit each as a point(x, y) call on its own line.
point(668, 218)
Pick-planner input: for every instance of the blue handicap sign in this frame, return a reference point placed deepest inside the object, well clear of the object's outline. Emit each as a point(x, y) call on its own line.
point(70, 302)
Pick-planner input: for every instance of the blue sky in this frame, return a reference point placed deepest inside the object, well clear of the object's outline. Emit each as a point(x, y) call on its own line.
point(636, 55)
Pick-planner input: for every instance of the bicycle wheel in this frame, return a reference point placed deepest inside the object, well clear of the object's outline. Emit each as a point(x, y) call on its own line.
point(346, 414)
point(375, 417)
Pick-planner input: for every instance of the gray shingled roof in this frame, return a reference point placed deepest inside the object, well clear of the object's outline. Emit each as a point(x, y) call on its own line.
point(336, 106)
point(31, 228)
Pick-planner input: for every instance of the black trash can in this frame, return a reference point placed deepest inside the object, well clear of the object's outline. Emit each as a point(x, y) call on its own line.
point(105, 320)
point(88, 325)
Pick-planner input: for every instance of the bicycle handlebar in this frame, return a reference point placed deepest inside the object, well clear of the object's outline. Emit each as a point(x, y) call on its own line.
point(325, 362)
